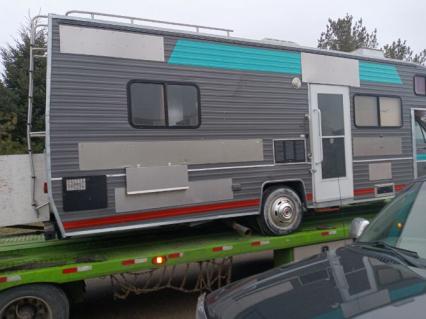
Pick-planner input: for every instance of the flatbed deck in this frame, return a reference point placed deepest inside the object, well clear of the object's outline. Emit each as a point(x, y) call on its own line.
point(30, 259)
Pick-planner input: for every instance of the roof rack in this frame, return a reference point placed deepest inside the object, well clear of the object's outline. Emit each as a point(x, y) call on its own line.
point(133, 19)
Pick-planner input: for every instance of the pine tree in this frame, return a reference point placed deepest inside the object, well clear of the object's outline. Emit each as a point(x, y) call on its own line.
point(345, 35)
point(14, 91)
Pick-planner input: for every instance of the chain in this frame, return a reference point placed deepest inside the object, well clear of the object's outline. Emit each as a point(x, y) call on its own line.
point(209, 275)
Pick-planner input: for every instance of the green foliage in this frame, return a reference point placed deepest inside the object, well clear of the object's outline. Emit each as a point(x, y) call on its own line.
point(14, 93)
point(400, 50)
point(345, 35)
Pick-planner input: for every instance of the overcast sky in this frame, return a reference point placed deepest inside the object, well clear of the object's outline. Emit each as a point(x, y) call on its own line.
point(299, 21)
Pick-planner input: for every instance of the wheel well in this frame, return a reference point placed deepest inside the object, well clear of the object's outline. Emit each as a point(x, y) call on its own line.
point(295, 185)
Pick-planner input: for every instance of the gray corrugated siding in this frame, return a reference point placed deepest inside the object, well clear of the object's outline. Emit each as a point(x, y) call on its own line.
point(89, 103)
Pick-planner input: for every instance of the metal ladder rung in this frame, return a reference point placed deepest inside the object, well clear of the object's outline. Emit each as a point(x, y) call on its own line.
point(38, 134)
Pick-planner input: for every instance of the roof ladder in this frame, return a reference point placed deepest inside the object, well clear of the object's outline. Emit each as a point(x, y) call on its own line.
point(35, 25)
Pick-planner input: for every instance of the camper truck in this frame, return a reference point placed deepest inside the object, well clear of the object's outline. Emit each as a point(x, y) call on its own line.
point(152, 123)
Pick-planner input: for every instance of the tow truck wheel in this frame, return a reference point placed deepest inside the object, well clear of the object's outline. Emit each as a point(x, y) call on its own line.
point(281, 211)
point(34, 302)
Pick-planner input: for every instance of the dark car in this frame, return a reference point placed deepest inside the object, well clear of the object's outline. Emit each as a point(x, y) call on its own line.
point(381, 275)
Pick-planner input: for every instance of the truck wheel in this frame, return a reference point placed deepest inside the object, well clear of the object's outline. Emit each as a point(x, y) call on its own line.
point(281, 211)
point(34, 301)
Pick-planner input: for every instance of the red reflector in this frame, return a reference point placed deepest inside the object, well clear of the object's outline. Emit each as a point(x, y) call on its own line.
point(256, 243)
point(3, 279)
point(128, 262)
point(69, 270)
point(216, 249)
point(399, 187)
point(174, 255)
point(45, 188)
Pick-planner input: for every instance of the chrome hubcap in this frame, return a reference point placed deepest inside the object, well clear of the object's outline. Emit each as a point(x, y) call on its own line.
point(283, 211)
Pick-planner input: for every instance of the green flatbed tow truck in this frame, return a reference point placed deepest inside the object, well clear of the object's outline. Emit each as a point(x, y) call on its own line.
point(38, 278)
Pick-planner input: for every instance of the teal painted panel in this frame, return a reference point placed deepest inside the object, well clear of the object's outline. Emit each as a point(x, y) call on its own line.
point(408, 291)
point(332, 314)
point(421, 157)
point(234, 57)
point(378, 72)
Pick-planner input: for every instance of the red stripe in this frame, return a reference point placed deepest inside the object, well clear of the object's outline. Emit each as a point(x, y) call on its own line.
point(256, 243)
point(128, 262)
point(3, 279)
point(217, 249)
point(128, 218)
point(399, 187)
point(367, 191)
point(69, 270)
point(363, 191)
point(174, 255)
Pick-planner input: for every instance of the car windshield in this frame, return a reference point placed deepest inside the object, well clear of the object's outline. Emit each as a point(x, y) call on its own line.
point(402, 223)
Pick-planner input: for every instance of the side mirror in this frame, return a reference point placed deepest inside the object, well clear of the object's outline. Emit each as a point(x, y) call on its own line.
point(358, 226)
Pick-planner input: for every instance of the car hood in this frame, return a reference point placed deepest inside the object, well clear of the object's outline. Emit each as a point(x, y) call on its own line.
point(349, 282)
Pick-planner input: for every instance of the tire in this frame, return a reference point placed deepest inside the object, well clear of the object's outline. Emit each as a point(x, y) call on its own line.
point(34, 301)
point(281, 211)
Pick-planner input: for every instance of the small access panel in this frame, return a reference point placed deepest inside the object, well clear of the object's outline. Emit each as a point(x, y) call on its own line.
point(84, 193)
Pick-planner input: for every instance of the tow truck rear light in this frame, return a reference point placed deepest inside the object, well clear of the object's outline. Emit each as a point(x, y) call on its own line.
point(159, 260)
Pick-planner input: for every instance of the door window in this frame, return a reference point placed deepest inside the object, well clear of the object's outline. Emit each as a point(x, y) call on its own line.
point(333, 135)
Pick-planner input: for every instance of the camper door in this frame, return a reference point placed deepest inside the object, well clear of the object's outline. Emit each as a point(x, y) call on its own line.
point(331, 143)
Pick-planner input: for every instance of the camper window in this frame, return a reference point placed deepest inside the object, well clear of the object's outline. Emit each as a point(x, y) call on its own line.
point(147, 104)
point(420, 85)
point(182, 105)
point(163, 105)
point(377, 111)
point(390, 111)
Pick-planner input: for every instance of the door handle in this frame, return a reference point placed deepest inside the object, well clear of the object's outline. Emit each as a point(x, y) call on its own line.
point(319, 118)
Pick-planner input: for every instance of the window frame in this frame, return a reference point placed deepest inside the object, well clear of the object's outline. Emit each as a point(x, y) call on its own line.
point(378, 126)
point(414, 84)
point(166, 106)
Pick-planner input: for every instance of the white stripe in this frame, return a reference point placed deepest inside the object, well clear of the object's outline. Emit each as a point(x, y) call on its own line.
point(116, 175)
point(209, 169)
point(158, 190)
point(140, 260)
point(383, 159)
point(225, 248)
point(84, 268)
point(13, 278)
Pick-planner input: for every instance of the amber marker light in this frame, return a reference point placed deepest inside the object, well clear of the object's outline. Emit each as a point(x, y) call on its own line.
point(399, 226)
point(159, 260)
